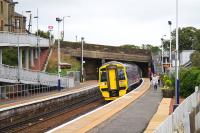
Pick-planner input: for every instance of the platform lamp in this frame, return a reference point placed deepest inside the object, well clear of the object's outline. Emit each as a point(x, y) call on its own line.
point(177, 61)
point(170, 45)
point(38, 47)
point(59, 70)
point(82, 42)
point(63, 36)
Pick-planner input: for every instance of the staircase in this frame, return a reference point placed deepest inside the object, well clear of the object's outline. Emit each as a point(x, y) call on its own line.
point(40, 62)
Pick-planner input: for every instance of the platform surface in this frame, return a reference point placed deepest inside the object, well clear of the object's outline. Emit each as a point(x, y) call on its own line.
point(135, 117)
point(112, 113)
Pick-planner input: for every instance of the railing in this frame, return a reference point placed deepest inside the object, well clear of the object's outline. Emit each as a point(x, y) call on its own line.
point(186, 117)
point(23, 39)
point(13, 92)
point(12, 74)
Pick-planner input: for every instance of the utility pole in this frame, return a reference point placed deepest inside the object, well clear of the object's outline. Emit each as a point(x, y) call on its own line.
point(59, 70)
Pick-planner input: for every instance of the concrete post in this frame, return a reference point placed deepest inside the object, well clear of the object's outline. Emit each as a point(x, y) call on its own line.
point(20, 57)
point(1, 57)
point(36, 53)
point(27, 58)
point(32, 57)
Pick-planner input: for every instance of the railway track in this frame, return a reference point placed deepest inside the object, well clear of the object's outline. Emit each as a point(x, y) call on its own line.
point(55, 117)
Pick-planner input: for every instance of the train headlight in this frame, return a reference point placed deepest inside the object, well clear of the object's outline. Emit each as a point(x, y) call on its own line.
point(103, 83)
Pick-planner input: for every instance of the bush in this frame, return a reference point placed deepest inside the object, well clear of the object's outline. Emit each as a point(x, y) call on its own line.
point(188, 80)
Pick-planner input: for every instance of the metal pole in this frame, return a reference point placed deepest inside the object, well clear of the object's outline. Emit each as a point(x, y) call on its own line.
point(59, 70)
point(82, 41)
point(162, 56)
point(177, 59)
point(170, 45)
point(18, 71)
point(63, 35)
point(38, 47)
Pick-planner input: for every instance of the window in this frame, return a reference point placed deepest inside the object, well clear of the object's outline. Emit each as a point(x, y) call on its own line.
point(103, 77)
point(1, 26)
point(17, 23)
point(121, 75)
point(1, 7)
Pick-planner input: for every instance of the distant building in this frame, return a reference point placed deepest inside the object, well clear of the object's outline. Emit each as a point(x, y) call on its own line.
point(185, 56)
point(9, 19)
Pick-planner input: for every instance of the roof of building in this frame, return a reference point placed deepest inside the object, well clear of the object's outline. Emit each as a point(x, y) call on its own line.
point(19, 15)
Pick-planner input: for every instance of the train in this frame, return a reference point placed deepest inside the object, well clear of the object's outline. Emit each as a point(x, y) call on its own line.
point(116, 79)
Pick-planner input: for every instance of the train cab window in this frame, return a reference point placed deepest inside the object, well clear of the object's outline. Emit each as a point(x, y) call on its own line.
point(121, 75)
point(103, 77)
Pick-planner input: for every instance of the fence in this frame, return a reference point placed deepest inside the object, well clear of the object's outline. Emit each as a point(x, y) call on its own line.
point(17, 91)
point(186, 117)
point(23, 39)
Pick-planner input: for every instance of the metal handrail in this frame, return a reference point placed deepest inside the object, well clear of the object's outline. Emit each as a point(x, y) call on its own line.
point(14, 75)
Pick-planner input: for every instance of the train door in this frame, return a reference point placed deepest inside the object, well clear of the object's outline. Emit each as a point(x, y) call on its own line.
point(112, 79)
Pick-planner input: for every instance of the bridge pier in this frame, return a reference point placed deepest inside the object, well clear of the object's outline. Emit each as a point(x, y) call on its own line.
point(1, 51)
point(36, 53)
point(20, 57)
point(27, 58)
point(32, 56)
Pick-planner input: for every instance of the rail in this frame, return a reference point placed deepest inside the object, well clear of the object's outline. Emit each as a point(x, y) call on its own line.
point(186, 117)
point(8, 39)
point(11, 74)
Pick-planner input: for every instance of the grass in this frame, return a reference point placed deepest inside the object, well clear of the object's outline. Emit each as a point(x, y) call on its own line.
point(65, 58)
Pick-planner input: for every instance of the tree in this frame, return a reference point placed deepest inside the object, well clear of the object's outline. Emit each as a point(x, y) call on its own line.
point(130, 46)
point(189, 38)
point(195, 59)
point(44, 34)
point(153, 49)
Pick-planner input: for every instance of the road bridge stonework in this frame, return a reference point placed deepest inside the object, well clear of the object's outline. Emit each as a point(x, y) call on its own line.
point(95, 54)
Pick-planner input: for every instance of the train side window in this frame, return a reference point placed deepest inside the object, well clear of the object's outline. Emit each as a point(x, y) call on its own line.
point(103, 77)
point(121, 75)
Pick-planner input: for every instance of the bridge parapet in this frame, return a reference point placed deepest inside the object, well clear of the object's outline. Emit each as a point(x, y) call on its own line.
point(108, 55)
point(103, 48)
point(8, 39)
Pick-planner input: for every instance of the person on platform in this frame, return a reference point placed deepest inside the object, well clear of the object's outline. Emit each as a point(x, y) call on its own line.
point(154, 81)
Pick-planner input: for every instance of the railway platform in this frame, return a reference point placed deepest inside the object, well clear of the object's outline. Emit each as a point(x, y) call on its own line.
point(6, 104)
point(130, 113)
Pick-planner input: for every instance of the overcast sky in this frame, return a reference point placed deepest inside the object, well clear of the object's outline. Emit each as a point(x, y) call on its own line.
point(113, 22)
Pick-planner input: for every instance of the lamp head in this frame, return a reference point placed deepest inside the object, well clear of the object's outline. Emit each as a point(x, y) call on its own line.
point(58, 19)
point(170, 22)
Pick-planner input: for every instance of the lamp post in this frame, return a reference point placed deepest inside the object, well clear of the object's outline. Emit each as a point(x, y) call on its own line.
point(170, 45)
point(38, 48)
point(162, 53)
point(82, 42)
point(177, 60)
point(30, 21)
point(59, 70)
point(63, 36)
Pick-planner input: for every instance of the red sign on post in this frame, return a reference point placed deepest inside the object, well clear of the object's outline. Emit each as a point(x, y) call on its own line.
point(50, 27)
